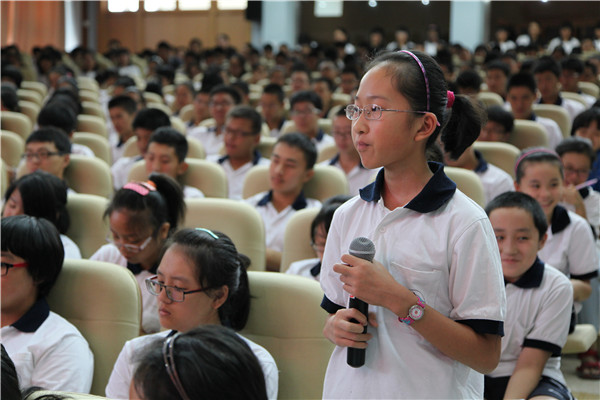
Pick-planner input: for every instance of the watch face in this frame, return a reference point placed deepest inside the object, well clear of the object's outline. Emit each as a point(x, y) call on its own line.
point(416, 312)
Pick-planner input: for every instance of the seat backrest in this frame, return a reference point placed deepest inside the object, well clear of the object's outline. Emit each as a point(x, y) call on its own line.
point(89, 175)
point(4, 177)
point(152, 97)
point(89, 95)
point(88, 228)
point(576, 97)
point(30, 109)
point(502, 155)
point(238, 220)
point(558, 114)
point(286, 319)
point(587, 88)
point(103, 301)
point(327, 153)
point(92, 108)
point(296, 239)
point(96, 143)
point(265, 146)
point(37, 86)
point(92, 124)
point(30, 95)
point(12, 147)
point(467, 182)
point(187, 112)
point(16, 122)
point(327, 181)
point(207, 176)
point(87, 83)
point(490, 99)
point(528, 134)
point(178, 125)
point(289, 126)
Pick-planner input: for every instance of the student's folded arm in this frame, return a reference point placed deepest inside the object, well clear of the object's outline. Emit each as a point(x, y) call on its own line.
point(527, 373)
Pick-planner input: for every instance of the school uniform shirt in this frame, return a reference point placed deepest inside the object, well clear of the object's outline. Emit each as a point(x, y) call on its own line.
point(494, 180)
point(208, 137)
point(48, 351)
point(538, 311)
point(274, 220)
point(357, 178)
point(81, 149)
point(309, 268)
point(235, 177)
point(190, 192)
point(555, 135)
point(573, 107)
point(120, 170)
point(591, 202)
point(440, 244)
point(110, 253)
point(71, 248)
point(122, 373)
point(567, 45)
point(322, 140)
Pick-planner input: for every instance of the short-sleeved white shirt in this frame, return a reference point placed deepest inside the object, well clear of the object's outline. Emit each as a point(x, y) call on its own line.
point(211, 142)
point(555, 135)
point(190, 192)
point(440, 244)
point(276, 221)
point(306, 268)
point(322, 140)
point(48, 351)
point(120, 170)
point(122, 373)
point(150, 322)
point(82, 150)
point(357, 178)
point(538, 313)
point(235, 177)
point(71, 248)
point(494, 180)
point(574, 108)
point(591, 202)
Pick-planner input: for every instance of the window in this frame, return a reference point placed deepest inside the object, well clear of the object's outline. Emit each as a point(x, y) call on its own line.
point(172, 5)
point(232, 4)
point(187, 5)
point(160, 5)
point(123, 5)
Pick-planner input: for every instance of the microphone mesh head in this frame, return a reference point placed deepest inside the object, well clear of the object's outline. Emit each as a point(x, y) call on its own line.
point(362, 247)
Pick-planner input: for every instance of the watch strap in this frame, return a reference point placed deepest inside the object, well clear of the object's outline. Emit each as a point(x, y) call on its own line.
point(408, 319)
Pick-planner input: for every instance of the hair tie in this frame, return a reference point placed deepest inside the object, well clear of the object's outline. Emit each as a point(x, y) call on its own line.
point(533, 151)
point(423, 71)
point(141, 188)
point(450, 99)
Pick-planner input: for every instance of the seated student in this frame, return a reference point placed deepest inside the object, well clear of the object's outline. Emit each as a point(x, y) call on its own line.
point(521, 94)
point(539, 299)
point(571, 70)
point(272, 108)
point(146, 121)
point(42, 195)
point(299, 78)
point(242, 135)
point(122, 110)
point(498, 127)
point(184, 95)
point(56, 115)
point(292, 163)
point(201, 110)
point(210, 362)
point(349, 78)
point(166, 154)
point(305, 107)
point(547, 73)
point(9, 98)
point(311, 267)
point(347, 159)
point(222, 99)
point(496, 76)
point(142, 215)
point(468, 82)
point(201, 280)
point(47, 350)
point(323, 87)
point(47, 149)
point(587, 125)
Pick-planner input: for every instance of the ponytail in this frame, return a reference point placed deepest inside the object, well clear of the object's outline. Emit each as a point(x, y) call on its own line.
point(463, 127)
point(235, 311)
point(172, 194)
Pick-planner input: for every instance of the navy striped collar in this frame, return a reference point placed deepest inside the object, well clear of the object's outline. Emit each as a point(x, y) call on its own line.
point(532, 278)
point(255, 158)
point(482, 165)
point(560, 219)
point(298, 204)
point(34, 317)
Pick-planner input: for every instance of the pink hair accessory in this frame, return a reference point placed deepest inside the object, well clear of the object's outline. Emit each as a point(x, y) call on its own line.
point(422, 70)
point(142, 188)
point(534, 151)
point(450, 99)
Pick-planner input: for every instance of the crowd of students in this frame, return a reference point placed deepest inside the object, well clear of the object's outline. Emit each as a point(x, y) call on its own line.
point(450, 281)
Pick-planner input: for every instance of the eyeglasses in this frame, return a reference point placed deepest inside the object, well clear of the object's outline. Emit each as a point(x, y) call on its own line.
point(305, 112)
point(236, 133)
point(41, 155)
point(317, 247)
point(222, 104)
point(131, 248)
point(7, 266)
point(574, 171)
point(371, 111)
point(173, 293)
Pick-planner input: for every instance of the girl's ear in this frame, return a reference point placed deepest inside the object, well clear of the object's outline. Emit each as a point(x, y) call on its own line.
point(219, 297)
point(427, 127)
point(163, 231)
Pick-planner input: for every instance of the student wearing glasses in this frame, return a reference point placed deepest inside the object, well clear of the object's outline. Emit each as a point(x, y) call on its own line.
point(305, 107)
point(47, 149)
point(46, 349)
point(201, 280)
point(142, 215)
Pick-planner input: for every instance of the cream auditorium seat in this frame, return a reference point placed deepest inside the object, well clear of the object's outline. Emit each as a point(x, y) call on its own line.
point(556, 113)
point(17, 123)
point(502, 155)
point(289, 126)
point(238, 220)
point(30, 95)
point(12, 147)
point(30, 109)
point(103, 301)
point(161, 106)
point(92, 124)
point(327, 181)
point(4, 177)
point(286, 319)
point(528, 134)
point(88, 228)
point(35, 86)
point(296, 239)
point(89, 175)
point(89, 95)
point(178, 125)
point(86, 83)
point(186, 113)
point(586, 87)
point(152, 97)
point(576, 97)
point(92, 108)
point(265, 146)
point(490, 99)
point(327, 153)
point(96, 143)
point(467, 182)
point(581, 339)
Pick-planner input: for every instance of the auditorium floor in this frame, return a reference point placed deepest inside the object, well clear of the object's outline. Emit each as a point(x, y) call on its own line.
point(582, 389)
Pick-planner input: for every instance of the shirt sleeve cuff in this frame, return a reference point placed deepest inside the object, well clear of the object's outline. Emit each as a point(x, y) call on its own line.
point(542, 345)
point(330, 306)
point(585, 277)
point(484, 326)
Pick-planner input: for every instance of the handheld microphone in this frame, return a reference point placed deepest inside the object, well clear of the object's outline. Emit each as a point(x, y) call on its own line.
point(364, 248)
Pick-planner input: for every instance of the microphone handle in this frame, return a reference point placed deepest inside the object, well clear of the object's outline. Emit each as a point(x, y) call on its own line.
point(356, 357)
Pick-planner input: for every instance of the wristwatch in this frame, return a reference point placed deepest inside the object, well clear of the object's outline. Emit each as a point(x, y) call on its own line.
point(415, 312)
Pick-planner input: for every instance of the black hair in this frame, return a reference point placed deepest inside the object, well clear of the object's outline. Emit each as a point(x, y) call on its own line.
point(153, 86)
point(249, 113)
point(55, 114)
point(67, 98)
point(273, 88)
point(172, 138)
point(165, 204)
point(584, 119)
point(235, 95)
point(125, 102)
point(10, 99)
point(303, 143)
point(464, 124)
point(499, 65)
point(13, 73)
point(10, 379)
point(38, 242)
point(499, 115)
point(124, 81)
point(349, 69)
point(53, 135)
point(577, 145)
point(536, 155)
point(469, 79)
point(212, 78)
point(151, 119)
point(189, 86)
point(522, 79)
point(306, 96)
point(547, 64)
point(166, 71)
point(212, 362)
point(218, 264)
point(44, 196)
point(572, 64)
point(324, 217)
point(241, 86)
point(592, 66)
point(524, 202)
point(327, 81)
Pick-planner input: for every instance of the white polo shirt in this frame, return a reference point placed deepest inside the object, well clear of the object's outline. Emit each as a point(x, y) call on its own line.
point(555, 135)
point(309, 268)
point(538, 312)
point(190, 192)
point(591, 202)
point(122, 373)
point(71, 248)
point(573, 107)
point(322, 140)
point(48, 351)
point(357, 178)
point(120, 170)
point(494, 180)
point(211, 142)
point(235, 177)
point(441, 244)
point(110, 253)
point(276, 221)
